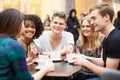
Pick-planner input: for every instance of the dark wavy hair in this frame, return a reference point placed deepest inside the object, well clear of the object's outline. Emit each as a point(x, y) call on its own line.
point(38, 24)
point(11, 22)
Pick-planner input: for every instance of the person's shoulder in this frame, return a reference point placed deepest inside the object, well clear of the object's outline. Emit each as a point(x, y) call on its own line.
point(67, 33)
point(10, 43)
point(68, 18)
point(42, 37)
point(6, 40)
point(116, 31)
point(110, 75)
point(45, 32)
point(114, 35)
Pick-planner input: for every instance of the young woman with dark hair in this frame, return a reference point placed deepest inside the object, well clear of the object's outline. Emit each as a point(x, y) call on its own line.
point(13, 64)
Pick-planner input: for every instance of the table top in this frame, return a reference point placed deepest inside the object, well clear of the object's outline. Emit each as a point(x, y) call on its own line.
point(62, 69)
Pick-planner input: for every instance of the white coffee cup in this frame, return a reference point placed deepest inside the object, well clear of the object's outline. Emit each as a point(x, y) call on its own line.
point(55, 56)
point(42, 60)
point(70, 57)
point(43, 57)
point(41, 63)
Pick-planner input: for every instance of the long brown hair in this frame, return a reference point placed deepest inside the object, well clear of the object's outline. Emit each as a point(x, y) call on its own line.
point(10, 22)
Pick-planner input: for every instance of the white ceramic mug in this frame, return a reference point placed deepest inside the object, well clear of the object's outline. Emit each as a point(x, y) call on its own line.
point(55, 56)
point(70, 57)
point(42, 60)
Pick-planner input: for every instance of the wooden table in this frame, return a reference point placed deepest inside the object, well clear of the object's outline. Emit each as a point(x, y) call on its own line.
point(62, 69)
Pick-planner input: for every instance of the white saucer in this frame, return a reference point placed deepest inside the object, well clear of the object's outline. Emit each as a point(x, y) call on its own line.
point(56, 59)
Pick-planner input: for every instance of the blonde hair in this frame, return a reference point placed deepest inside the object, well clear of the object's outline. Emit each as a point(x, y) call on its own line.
point(83, 40)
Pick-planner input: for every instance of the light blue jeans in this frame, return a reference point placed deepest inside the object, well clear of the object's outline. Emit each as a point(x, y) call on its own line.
point(93, 79)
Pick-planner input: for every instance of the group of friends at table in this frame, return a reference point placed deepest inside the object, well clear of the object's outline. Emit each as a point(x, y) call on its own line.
point(23, 38)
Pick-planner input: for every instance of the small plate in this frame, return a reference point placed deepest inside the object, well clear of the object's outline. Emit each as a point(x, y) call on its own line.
point(56, 60)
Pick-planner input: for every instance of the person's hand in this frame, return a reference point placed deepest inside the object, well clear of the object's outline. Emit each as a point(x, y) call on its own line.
point(79, 60)
point(32, 52)
point(49, 66)
point(65, 50)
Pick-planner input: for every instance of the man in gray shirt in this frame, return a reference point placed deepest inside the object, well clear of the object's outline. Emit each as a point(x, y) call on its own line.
point(56, 40)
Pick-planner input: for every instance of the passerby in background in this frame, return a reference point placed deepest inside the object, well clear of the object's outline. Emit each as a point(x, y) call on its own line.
point(117, 21)
point(73, 24)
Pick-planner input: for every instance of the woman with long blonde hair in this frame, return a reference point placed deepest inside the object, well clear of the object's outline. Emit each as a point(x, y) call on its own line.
point(88, 39)
point(88, 44)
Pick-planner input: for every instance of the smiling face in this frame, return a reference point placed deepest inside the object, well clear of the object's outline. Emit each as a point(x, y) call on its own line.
point(98, 21)
point(29, 30)
point(58, 24)
point(86, 29)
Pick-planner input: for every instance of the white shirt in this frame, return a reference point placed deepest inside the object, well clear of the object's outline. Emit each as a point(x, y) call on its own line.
point(43, 42)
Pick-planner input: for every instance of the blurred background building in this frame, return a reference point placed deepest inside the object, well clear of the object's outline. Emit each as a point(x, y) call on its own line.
point(44, 7)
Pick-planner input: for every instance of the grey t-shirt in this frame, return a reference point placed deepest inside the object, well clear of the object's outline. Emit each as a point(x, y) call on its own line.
point(43, 42)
